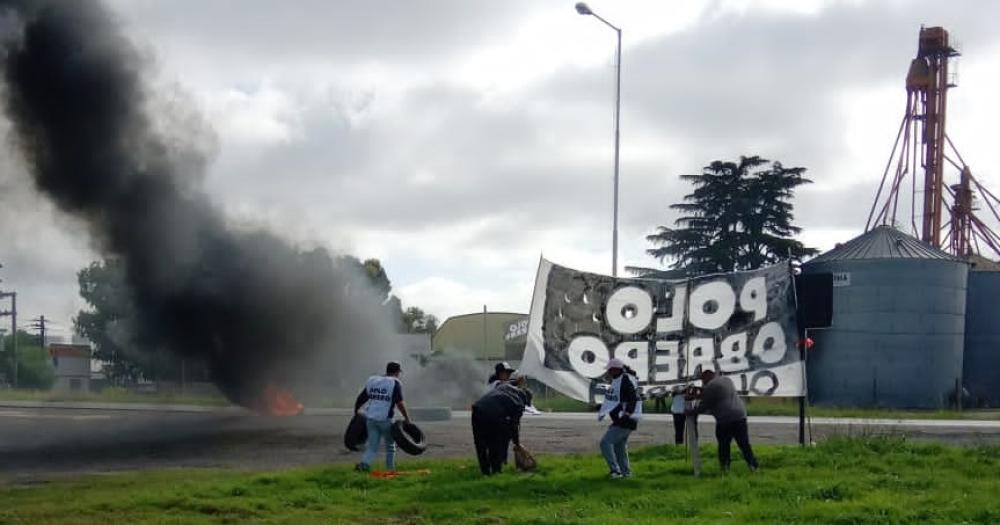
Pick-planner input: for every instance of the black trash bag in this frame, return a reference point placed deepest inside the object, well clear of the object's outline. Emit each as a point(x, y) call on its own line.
point(356, 434)
point(409, 438)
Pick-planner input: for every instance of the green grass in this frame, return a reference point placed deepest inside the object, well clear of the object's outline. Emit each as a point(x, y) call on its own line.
point(112, 395)
point(841, 481)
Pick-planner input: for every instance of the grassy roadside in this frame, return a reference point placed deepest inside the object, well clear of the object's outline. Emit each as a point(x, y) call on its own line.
point(112, 395)
point(841, 481)
point(759, 406)
point(790, 407)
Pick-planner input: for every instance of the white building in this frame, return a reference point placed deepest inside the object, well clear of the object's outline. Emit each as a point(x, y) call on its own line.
point(71, 363)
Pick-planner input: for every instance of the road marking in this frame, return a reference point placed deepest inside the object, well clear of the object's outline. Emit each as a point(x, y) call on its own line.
point(29, 415)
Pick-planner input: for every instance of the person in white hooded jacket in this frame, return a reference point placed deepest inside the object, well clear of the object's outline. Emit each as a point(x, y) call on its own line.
point(622, 404)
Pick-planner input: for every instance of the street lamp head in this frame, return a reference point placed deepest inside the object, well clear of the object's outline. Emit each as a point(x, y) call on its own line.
point(583, 9)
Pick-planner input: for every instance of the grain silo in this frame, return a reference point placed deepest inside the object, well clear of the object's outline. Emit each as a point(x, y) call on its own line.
point(898, 324)
point(981, 366)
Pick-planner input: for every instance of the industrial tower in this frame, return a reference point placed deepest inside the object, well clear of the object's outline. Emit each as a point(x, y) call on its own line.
point(922, 148)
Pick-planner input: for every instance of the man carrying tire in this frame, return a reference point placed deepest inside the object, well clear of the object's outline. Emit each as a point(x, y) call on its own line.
point(383, 394)
point(496, 421)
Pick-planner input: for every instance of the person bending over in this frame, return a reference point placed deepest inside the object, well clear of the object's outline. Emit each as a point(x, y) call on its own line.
point(719, 398)
point(496, 421)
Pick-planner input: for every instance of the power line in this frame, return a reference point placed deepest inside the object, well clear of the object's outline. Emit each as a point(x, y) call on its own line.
point(39, 324)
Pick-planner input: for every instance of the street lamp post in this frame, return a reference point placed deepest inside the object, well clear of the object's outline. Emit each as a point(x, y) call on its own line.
point(583, 9)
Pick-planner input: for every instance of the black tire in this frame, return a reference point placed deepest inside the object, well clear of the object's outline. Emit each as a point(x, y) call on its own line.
point(409, 438)
point(357, 433)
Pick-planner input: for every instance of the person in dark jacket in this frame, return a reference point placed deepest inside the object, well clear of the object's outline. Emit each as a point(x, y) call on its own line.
point(719, 398)
point(501, 372)
point(678, 409)
point(496, 421)
point(622, 404)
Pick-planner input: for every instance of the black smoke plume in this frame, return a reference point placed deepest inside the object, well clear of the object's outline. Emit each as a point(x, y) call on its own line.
point(249, 304)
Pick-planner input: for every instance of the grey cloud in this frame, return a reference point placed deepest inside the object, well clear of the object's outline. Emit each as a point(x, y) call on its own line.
point(331, 30)
point(41, 252)
point(740, 82)
point(760, 82)
point(481, 162)
point(767, 74)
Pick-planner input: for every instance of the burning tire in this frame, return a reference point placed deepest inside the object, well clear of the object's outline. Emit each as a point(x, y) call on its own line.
point(409, 438)
point(357, 433)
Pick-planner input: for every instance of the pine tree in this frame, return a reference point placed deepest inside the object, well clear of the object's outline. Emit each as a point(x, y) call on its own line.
point(738, 217)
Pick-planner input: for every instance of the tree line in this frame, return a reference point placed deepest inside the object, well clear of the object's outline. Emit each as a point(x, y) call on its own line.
point(33, 368)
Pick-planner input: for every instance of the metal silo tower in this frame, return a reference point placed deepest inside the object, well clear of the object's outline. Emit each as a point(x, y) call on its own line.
point(942, 215)
point(898, 325)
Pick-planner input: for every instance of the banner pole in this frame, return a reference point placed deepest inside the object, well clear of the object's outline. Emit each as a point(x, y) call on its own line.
point(802, 417)
point(802, 355)
point(802, 400)
point(690, 421)
point(691, 436)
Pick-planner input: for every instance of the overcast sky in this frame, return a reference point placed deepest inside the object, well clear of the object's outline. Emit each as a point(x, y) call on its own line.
point(458, 140)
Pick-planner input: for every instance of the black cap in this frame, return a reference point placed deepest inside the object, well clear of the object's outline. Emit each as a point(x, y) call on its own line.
point(393, 368)
point(503, 366)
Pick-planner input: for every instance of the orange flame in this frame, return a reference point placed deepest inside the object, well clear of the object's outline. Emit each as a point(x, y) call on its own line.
point(276, 401)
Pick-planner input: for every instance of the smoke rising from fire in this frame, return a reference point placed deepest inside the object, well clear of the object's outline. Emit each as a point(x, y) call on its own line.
point(248, 303)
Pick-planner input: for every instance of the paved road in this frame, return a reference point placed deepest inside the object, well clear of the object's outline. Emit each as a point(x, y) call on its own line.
point(38, 440)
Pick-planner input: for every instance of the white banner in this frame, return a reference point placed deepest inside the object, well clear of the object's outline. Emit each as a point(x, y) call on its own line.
point(740, 324)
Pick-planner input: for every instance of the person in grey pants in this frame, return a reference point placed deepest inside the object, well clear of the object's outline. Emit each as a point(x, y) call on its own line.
point(621, 403)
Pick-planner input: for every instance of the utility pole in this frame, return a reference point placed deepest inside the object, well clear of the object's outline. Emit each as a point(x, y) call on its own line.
point(13, 325)
point(484, 332)
point(39, 324)
point(3, 334)
point(4, 295)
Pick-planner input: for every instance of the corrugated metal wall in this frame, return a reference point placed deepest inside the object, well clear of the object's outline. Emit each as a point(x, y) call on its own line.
point(982, 339)
point(476, 335)
point(897, 336)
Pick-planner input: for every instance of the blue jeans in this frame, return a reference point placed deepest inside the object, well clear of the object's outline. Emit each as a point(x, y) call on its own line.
point(614, 447)
point(377, 431)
